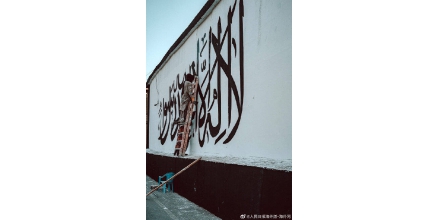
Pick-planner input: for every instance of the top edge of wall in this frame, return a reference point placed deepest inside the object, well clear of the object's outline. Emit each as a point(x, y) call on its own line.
point(195, 23)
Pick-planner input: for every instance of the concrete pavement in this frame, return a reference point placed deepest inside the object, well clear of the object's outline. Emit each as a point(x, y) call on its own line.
point(169, 205)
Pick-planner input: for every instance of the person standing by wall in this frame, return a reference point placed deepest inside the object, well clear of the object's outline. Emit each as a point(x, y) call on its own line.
point(187, 93)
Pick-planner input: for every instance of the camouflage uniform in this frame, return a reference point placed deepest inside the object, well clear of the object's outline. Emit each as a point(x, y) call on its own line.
point(186, 98)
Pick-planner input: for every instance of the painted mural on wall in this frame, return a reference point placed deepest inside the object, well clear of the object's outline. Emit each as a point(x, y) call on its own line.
point(219, 66)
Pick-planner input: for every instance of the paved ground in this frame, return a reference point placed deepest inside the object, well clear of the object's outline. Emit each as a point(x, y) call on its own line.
point(164, 206)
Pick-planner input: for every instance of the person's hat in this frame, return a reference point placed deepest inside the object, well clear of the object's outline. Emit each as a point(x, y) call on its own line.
point(189, 77)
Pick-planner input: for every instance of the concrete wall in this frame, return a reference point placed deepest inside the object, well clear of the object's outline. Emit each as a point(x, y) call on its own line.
point(242, 54)
point(147, 115)
point(227, 190)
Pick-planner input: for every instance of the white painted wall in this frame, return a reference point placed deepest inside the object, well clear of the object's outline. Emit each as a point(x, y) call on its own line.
point(265, 127)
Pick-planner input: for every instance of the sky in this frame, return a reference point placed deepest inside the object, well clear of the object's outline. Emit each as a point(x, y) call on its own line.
point(166, 21)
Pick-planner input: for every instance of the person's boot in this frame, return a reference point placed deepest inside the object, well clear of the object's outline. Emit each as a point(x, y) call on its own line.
point(181, 116)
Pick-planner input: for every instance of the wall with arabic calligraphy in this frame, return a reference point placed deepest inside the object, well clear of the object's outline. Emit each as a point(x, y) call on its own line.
point(241, 53)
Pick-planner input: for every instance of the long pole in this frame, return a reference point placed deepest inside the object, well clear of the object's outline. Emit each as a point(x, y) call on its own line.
point(174, 176)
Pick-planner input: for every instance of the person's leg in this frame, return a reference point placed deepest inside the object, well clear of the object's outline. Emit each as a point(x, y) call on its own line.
point(181, 116)
point(183, 111)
